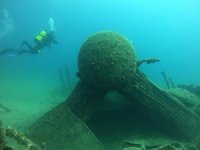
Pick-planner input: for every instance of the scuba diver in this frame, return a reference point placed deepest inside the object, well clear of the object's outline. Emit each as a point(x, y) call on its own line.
point(42, 40)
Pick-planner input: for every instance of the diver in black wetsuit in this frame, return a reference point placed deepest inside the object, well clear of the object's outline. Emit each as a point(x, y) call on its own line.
point(42, 40)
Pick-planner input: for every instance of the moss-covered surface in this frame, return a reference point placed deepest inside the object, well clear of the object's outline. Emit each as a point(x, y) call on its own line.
point(2, 137)
point(190, 99)
point(106, 59)
point(60, 129)
point(118, 122)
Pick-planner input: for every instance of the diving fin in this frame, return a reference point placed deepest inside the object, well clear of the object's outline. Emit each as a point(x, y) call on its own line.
point(12, 53)
point(9, 52)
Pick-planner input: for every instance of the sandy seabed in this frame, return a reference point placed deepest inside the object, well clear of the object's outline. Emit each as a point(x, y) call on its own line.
point(27, 101)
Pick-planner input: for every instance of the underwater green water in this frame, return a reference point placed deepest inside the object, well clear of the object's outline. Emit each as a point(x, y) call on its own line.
point(31, 85)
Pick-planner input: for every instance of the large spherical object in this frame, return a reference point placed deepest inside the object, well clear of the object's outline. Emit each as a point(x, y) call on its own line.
point(106, 59)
